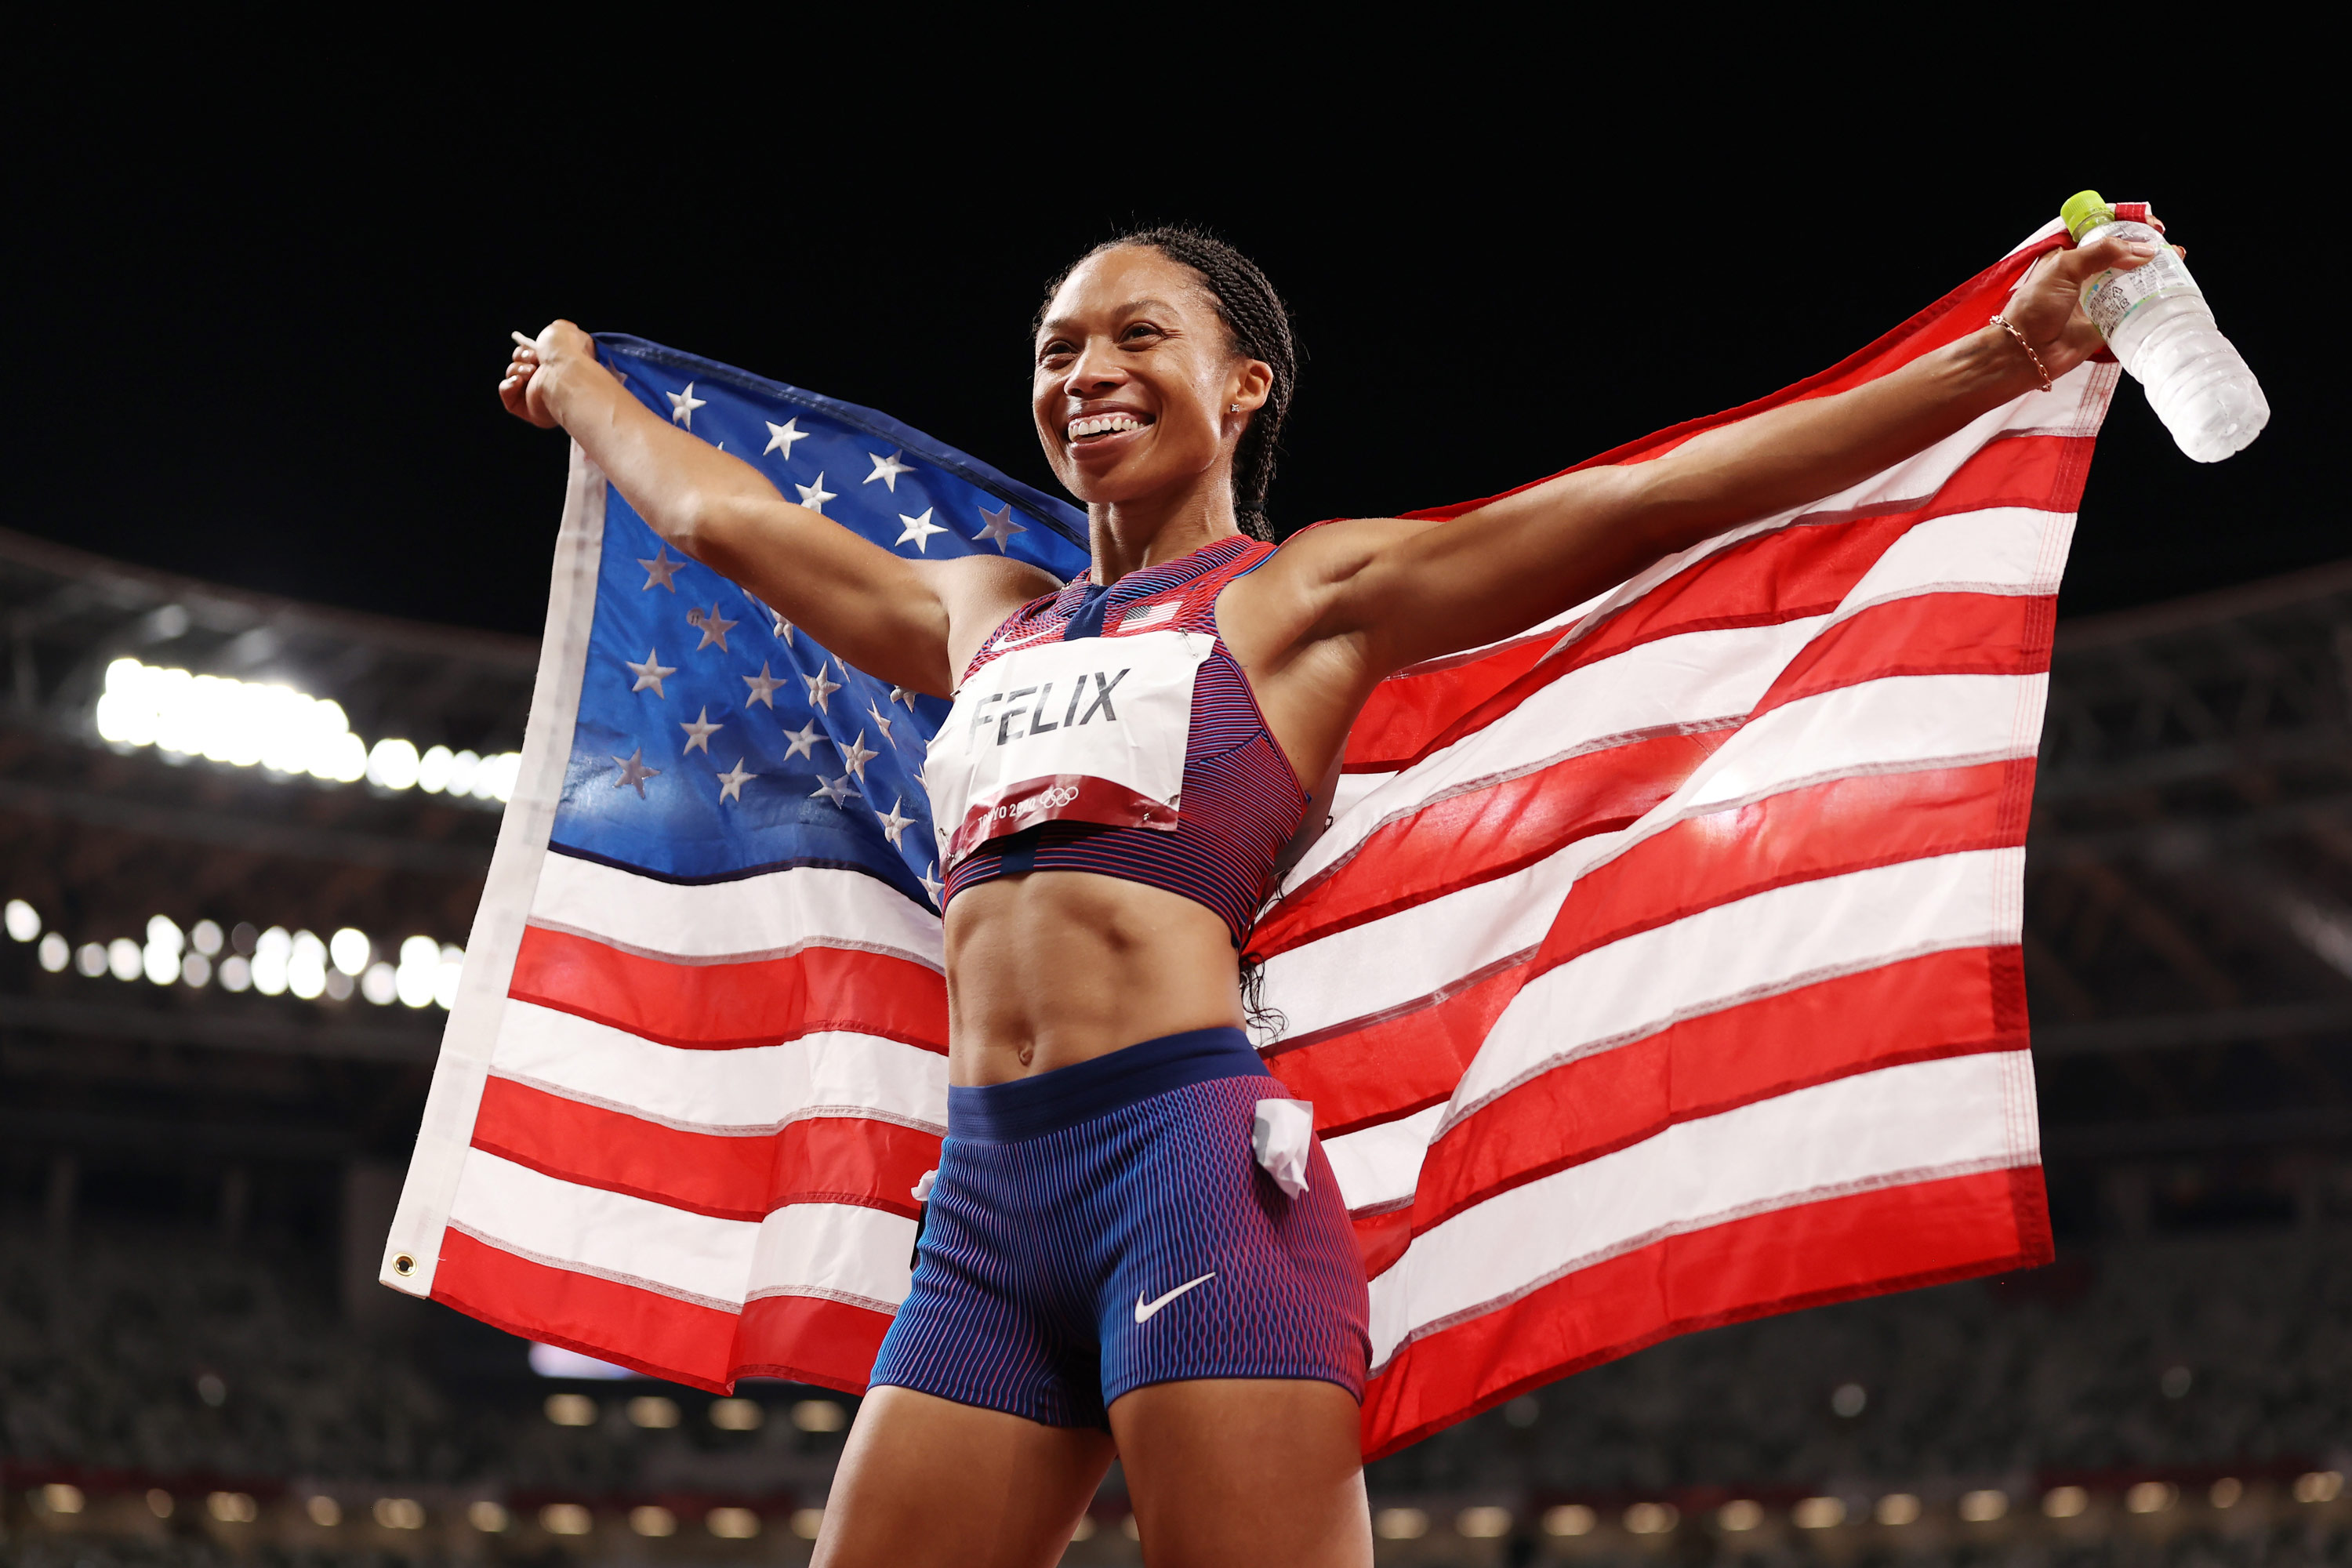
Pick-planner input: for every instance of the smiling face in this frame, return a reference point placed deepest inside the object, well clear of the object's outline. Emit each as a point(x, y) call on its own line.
point(1136, 376)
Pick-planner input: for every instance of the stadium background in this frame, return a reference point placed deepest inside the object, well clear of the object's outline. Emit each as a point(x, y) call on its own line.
point(251, 390)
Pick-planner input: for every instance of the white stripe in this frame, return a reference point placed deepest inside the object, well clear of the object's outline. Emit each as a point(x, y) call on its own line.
point(776, 912)
point(610, 1234)
point(1914, 1121)
point(751, 1089)
point(2000, 549)
point(843, 1252)
point(1896, 723)
point(1718, 958)
point(1380, 1165)
point(412, 1253)
point(1892, 724)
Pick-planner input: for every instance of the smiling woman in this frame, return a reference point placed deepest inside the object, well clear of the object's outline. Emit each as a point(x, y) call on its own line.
point(1105, 1266)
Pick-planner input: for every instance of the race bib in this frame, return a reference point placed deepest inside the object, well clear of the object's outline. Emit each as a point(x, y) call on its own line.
point(1092, 731)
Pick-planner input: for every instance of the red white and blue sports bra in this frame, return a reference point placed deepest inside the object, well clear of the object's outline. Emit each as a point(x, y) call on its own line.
point(1059, 754)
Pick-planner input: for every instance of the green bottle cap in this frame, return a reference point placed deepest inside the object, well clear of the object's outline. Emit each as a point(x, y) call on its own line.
point(2083, 211)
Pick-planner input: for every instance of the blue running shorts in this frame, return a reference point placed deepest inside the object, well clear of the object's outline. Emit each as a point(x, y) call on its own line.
point(1103, 1226)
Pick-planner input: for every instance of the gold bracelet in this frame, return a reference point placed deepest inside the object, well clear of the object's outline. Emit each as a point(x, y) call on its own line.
point(2039, 368)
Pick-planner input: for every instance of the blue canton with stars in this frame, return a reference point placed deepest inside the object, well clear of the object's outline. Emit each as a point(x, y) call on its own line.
point(715, 740)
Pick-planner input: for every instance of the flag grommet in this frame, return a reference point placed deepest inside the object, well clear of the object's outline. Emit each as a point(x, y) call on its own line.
point(402, 1264)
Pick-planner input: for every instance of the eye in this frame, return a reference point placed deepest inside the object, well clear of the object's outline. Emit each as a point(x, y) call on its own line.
point(1138, 332)
point(1054, 349)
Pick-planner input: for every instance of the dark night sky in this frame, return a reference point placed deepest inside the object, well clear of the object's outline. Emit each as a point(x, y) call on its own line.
point(256, 330)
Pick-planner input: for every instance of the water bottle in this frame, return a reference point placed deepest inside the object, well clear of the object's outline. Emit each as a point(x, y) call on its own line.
point(2156, 319)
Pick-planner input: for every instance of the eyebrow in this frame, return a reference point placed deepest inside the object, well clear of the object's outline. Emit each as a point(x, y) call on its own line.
point(1133, 307)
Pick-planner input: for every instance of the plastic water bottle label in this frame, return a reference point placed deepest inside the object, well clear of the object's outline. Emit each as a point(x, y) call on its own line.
point(2111, 297)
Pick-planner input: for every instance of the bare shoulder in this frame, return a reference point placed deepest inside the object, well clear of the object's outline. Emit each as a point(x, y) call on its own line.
point(978, 593)
point(1328, 551)
point(1289, 600)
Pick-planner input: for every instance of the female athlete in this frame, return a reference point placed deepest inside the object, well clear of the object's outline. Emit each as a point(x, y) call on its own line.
point(1104, 1269)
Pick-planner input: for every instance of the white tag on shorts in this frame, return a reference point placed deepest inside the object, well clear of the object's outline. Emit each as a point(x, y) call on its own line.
point(1281, 1134)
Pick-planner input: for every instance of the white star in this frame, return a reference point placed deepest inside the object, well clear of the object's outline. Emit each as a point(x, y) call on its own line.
point(999, 527)
point(893, 824)
point(803, 742)
point(715, 627)
point(618, 374)
point(821, 686)
point(933, 886)
point(633, 771)
point(731, 782)
point(660, 569)
point(882, 718)
point(813, 496)
point(783, 628)
point(835, 790)
point(919, 773)
point(900, 694)
point(682, 405)
point(856, 754)
point(920, 530)
point(782, 436)
point(763, 687)
point(651, 672)
point(699, 732)
point(888, 471)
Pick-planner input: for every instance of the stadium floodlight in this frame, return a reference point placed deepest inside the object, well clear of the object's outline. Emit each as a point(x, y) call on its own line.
point(205, 937)
point(223, 720)
point(248, 723)
point(24, 921)
point(270, 953)
point(445, 979)
point(349, 950)
point(380, 984)
point(306, 966)
point(123, 957)
point(235, 972)
point(420, 968)
point(56, 953)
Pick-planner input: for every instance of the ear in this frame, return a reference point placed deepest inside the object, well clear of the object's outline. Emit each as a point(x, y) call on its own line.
point(1250, 385)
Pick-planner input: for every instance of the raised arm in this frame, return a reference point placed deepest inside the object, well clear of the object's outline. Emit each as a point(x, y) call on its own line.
point(903, 621)
point(1403, 593)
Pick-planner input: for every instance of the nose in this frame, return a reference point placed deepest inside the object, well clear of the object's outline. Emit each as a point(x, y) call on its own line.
point(1095, 371)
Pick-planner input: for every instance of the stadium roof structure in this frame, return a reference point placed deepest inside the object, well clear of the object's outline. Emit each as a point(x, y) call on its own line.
point(2189, 892)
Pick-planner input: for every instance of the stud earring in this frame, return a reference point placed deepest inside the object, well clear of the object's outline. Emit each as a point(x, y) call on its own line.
point(1236, 408)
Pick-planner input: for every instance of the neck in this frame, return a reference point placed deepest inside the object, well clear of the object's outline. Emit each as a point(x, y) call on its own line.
point(1127, 536)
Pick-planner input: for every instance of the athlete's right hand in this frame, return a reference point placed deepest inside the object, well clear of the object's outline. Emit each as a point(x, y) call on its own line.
point(533, 369)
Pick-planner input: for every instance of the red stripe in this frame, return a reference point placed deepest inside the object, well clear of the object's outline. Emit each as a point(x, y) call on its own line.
point(1406, 1058)
point(657, 1334)
point(1832, 1250)
point(1787, 575)
point(1938, 1005)
point(726, 1006)
point(809, 1339)
point(1926, 634)
point(804, 1338)
point(827, 1159)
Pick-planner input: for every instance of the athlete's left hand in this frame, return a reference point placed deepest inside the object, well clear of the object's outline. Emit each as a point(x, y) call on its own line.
point(2048, 306)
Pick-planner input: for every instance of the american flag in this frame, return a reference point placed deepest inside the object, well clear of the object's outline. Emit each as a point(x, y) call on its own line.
point(1659, 969)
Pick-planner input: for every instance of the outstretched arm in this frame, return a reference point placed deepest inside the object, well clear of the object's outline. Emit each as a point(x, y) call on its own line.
point(901, 620)
point(1404, 593)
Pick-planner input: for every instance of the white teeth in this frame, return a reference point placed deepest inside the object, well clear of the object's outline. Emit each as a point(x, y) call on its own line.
point(1103, 425)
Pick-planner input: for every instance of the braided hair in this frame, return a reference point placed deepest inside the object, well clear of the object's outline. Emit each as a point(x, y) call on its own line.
point(1257, 320)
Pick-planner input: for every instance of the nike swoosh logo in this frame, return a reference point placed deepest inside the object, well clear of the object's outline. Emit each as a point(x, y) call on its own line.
point(1143, 1308)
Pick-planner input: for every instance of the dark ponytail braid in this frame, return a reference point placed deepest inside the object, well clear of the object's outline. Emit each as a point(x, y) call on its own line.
point(1259, 325)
